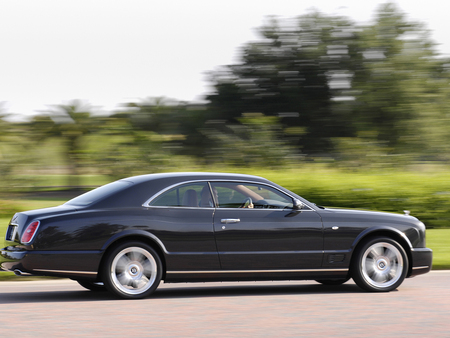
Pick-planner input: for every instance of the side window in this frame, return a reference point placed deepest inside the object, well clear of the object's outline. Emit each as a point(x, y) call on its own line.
point(190, 195)
point(249, 195)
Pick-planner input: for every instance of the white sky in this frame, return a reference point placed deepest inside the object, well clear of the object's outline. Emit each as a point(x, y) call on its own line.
point(114, 51)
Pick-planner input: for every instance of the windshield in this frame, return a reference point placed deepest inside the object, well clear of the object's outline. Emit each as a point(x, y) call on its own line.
point(99, 193)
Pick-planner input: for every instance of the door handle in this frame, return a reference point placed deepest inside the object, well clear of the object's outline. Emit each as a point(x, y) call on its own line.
point(229, 220)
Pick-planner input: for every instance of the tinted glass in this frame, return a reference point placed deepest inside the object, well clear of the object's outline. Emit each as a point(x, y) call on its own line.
point(188, 195)
point(99, 193)
point(246, 195)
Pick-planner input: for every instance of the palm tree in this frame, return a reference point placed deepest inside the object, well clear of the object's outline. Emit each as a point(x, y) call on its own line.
point(69, 122)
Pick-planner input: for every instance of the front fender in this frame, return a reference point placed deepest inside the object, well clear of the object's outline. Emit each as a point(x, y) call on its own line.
point(382, 230)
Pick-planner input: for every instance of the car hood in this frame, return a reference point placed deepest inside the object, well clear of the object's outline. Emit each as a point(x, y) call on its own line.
point(369, 215)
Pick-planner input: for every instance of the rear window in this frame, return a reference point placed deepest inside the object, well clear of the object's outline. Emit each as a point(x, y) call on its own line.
point(99, 193)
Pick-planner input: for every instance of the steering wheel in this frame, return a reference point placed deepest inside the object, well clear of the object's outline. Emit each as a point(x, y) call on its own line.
point(246, 203)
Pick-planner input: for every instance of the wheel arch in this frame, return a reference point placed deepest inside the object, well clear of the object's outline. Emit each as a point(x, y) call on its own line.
point(393, 234)
point(141, 236)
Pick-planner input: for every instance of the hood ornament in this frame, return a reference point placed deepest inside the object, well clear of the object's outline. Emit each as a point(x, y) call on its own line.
point(407, 212)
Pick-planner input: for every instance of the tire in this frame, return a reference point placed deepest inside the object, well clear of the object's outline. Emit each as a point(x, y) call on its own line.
point(132, 270)
point(92, 286)
point(380, 265)
point(339, 281)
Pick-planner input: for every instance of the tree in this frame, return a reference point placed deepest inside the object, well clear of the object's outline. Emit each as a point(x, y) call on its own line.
point(255, 141)
point(398, 84)
point(294, 72)
point(69, 123)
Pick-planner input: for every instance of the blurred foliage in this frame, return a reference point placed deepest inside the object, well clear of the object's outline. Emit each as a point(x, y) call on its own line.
point(288, 74)
point(314, 91)
point(255, 141)
point(425, 194)
point(69, 123)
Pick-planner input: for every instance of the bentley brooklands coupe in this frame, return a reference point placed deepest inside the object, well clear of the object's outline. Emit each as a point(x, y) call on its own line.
point(129, 235)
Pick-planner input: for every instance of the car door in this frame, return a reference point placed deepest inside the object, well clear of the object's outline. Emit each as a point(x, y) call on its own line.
point(257, 228)
point(182, 218)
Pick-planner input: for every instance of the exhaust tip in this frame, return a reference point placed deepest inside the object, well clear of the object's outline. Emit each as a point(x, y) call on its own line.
point(17, 272)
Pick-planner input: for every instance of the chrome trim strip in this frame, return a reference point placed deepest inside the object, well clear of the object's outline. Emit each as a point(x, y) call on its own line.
point(269, 252)
point(256, 271)
point(15, 230)
point(11, 232)
point(67, 271)
point(229, 220)
point(421, 267)
point(166, 207)
point(146, 204)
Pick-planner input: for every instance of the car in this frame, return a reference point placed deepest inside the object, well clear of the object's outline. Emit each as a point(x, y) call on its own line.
point(129, 235)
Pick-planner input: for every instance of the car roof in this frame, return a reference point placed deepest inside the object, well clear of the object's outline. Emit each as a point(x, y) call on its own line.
point(193, 176)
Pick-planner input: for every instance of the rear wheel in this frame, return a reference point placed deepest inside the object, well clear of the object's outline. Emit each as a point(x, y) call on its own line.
point(132, 270)
point(381, 265)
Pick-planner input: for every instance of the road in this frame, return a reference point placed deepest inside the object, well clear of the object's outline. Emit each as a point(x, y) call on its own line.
point(55, 308)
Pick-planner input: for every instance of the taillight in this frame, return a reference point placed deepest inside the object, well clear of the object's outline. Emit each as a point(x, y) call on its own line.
point(29, 232)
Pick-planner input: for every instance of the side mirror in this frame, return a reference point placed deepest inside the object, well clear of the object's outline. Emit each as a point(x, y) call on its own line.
point(298, 205)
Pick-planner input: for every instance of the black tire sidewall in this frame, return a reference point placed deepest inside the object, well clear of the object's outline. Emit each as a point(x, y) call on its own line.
point(357, 274)
point(106, 268)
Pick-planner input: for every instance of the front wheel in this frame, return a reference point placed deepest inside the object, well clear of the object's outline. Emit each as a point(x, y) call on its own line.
point(132, 270)
point(380, 265)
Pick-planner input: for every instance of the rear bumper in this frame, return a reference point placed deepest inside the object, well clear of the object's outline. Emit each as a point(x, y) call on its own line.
point(422, 259)
point(11, 259)
point(81, 264)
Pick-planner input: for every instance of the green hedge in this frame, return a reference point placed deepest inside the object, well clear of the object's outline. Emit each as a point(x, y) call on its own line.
point(426, 196)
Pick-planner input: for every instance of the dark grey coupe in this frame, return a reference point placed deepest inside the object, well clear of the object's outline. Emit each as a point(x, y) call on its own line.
point(129, 235)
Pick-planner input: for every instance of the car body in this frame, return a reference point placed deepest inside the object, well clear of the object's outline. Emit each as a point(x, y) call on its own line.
point(130, 234)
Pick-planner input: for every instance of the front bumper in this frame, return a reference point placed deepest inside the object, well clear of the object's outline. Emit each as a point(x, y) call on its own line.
point(422, 259)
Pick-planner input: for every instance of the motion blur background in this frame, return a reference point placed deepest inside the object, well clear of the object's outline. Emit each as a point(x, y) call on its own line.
point(344, 111)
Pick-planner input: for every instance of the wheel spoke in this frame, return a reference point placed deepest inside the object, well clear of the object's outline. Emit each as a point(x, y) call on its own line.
point(134, 256)
point(391, 255)
point(391, 275)
point(122, 263)
point(124, 279)
point(376, 276)
point(135, 283)
point(149, 269)
point(376, 252)
point(144, 280)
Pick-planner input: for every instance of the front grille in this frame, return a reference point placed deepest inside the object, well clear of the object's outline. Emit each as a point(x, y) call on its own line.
point(11, 233)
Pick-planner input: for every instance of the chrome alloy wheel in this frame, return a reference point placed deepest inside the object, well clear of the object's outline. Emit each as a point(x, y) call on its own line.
point(382, 265)
point(133, 270)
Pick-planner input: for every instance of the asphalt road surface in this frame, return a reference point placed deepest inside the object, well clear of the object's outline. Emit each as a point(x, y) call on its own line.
point(61, 308)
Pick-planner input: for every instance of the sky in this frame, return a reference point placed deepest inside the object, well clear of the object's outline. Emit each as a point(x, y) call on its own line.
point(109, 52)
